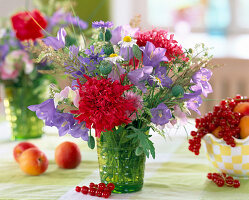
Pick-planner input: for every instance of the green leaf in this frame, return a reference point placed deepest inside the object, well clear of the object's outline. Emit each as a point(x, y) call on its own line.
point(91, 142)
point(139, 151)
point(137, 52)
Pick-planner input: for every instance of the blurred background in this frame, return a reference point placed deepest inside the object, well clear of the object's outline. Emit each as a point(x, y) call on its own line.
point(221, 24)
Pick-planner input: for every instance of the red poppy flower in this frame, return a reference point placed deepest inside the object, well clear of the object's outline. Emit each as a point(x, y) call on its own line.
point(28, 25)
point(102, 105)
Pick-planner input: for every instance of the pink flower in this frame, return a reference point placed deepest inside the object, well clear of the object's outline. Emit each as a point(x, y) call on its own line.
point(181, 116)
point(67, 93)
point(76, 99)
point(14, 62)
point(6, 75)
point(137, 102)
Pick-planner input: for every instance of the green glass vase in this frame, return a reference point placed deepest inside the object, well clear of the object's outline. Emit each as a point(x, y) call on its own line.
point(24, 123)
point(119, 164)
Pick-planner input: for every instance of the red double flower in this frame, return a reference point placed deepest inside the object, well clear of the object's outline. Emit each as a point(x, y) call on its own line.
point(28, 25)
point(102, 105)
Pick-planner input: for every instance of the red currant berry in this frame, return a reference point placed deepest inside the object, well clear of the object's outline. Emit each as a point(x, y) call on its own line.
point(229, 181)
point(77, 188)
point(111, 186)
point(92, 191)
point(223, 103)
point(91, 185)
point(84, 189)
point(238, 97)
point(193, 133)
point(220, 183)
point(101, 186)
point(105, 194)
point(98, 193)
point(236, 183)
point(107, 190)
point(210, 176)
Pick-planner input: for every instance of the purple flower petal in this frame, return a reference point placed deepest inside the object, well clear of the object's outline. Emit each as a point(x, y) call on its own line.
point(116, 35)
point(139, 76)
point(161, 114)
point(153, 56)
point(102, 24)
point(58, 42)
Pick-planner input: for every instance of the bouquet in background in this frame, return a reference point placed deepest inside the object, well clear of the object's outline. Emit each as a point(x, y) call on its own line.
point(24, 85)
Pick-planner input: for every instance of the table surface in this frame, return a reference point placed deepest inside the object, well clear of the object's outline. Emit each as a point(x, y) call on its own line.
point(175, 173)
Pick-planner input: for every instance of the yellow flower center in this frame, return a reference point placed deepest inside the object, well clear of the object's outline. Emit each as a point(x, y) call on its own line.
point(158, 79)
point(113, 55)
point(204, 78)
point(151, 54)
point(160, 114)
point(127, 39)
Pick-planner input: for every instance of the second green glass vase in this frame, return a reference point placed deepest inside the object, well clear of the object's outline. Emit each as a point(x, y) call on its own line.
point(24, 123)
point(119, 164)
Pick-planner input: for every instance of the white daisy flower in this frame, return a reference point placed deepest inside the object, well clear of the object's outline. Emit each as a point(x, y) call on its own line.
point(127, 41)
point(114, 58)
point(157, 80)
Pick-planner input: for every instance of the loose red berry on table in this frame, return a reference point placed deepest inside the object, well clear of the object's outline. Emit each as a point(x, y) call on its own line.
point(101, 186)
point(107, 189)
point(92, 191)
point(229, 181)
point(105, 194)
point(91, 185)
point(210, 176)
point(111, 186)
point(98, 193)
point(236, 184)
point(84, 189)
point(77, 188)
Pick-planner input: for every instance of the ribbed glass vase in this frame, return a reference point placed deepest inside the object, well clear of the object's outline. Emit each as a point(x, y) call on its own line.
point(119, 164)
point(24, 123)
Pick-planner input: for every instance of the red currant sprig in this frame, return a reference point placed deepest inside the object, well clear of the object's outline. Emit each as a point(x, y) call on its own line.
point(99, 190)
point(222, 122)
point(222, 179)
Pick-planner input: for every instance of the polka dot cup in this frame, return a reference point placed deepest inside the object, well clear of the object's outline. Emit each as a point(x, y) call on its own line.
point(230, 160)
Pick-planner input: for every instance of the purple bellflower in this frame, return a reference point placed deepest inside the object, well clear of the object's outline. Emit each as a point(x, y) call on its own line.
point(160, 77)
point(65, 122)
point(194, 103)
point(201, 79)
point(56, 42)
point(161, 114)
point(116, 72)
point(45, 111)
point(140, 76)
point(152, 56)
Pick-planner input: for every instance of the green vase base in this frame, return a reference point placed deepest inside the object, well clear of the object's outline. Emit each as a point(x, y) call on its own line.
point(20, 138)
point(127, 188)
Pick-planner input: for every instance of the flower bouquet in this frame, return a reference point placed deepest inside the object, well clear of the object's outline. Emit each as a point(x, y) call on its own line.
point(23, 84)
point(124, 83)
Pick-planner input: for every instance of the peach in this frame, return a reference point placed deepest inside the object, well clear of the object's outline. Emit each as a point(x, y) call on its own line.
point(33, 162)
point(216, 132)
point(20, 148)
point(242, 107)
point(67, 155)
point(244, 127)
